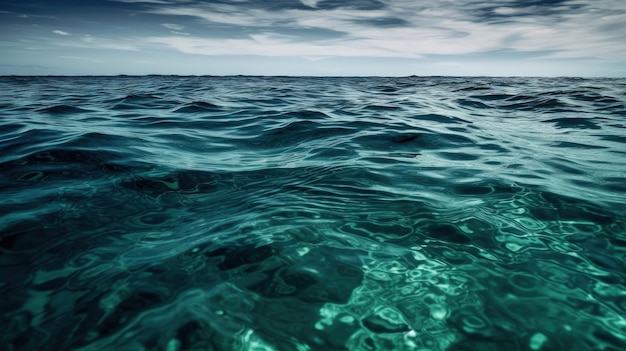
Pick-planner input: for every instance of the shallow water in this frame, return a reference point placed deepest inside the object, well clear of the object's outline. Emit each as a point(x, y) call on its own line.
point(250, 213)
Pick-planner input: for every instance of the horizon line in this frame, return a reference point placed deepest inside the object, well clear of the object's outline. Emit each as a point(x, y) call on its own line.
point(298, 76)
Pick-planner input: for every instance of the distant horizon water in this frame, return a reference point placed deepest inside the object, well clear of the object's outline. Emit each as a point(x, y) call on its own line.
point(314, 76)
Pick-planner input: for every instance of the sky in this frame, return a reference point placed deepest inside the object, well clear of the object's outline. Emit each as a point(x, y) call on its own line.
point(582, 38)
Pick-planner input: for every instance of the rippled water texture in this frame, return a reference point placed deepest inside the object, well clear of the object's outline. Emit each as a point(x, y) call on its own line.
point(249, 213)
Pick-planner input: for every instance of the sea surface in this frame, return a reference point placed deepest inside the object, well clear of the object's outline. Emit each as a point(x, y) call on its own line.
point(278, 213)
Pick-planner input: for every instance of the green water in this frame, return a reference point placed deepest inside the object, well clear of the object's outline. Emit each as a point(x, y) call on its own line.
point(248, 213)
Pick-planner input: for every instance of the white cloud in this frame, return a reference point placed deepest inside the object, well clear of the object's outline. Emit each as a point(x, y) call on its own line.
point(268, 45)
point(82, 58)
point(451, 30)
point(445, 27)
point(309, 3)
point(226, 14)
point(173, 26)
point(90, 42)
point(316, 58)
point(506, 11)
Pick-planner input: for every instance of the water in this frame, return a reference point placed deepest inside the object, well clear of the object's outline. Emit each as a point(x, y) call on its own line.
point(250, 213)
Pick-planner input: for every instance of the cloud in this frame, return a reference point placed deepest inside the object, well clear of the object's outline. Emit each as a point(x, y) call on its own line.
point(405, 28)
point(329, 31)
point(31, 16)
point(225, 14)
point(82, 58)
point(269, 44)
point(91, 42)
point(309, 3)
point(173, 26)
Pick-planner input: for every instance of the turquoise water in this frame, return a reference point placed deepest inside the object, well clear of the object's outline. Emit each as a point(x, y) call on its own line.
point(251, 213)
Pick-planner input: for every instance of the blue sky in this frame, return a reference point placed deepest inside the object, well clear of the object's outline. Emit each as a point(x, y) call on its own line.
point(314, 37)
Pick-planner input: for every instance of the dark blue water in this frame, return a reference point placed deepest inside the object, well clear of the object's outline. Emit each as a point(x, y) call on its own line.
point(249, 213)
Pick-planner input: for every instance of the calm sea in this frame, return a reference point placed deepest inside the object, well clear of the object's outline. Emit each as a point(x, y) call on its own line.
point(276, 213)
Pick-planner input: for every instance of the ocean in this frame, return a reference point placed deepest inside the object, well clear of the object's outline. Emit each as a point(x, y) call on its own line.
point(302, 213)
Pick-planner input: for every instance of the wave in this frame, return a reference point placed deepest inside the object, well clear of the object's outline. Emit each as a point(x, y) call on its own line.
point(312, 213)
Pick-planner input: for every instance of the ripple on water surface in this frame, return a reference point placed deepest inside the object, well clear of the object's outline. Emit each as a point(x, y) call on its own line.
point(278, 213)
